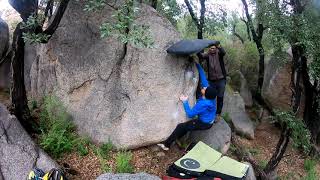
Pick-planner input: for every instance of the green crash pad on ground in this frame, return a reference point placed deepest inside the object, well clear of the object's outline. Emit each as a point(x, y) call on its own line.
point(203, 158)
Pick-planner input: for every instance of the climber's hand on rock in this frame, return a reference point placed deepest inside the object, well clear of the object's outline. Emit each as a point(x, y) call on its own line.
point(183, 98)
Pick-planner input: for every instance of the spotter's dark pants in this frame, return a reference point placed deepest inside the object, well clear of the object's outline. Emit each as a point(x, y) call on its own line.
point(220, 85)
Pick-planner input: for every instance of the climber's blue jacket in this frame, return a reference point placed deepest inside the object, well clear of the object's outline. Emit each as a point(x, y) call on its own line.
point(205, 109)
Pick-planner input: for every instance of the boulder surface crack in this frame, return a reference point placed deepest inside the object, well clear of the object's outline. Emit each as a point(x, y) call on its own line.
point(5, 133)
point(83, 85)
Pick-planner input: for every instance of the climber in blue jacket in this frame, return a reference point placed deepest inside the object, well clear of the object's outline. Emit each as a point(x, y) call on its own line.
point(203, 112)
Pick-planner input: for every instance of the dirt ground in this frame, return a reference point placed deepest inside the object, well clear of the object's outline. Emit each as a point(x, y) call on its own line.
point(154, 161)
point(4, 97)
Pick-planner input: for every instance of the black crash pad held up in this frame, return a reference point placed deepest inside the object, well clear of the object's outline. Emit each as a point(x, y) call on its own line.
point(188, 47)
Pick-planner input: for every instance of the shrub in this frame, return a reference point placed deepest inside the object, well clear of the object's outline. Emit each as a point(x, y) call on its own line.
point(57, 131)
point(299, 132)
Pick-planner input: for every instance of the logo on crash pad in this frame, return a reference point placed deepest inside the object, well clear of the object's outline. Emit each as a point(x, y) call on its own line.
point(189, 163)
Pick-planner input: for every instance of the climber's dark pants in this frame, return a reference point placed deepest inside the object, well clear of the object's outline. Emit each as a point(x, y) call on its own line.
point(220, 85)
point(183, 128)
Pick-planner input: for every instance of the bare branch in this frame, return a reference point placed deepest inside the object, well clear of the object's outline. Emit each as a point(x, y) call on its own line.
point(46, 12)
point(236, 34)
point(247, 26)
point(56, 21)
point(250, 24)
point(6, 57)
point(193, 16)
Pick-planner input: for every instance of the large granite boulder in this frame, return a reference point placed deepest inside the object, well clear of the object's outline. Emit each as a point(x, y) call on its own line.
point(4, 37)
point(18, 153)
point(276, 89)
point(30, 55)
point(250, 174)
point(240, 84)
point(115, 92)
point(4, 44)
point(125, 176)
point(234, 106)
point(218, 136)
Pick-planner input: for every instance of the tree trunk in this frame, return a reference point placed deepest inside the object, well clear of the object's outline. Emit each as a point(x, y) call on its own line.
point(18, 91)
point(295, 77)
point(257, 38)
point(261, 66)
point(154, 4)
point(311, 116)
point(279, 152)
point(199, 23)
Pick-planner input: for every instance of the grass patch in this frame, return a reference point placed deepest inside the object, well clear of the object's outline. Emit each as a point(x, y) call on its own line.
point(309, 166)
point(83, 145)
point(123, 164)
point(289, 176)
point(32, 104)
point(254, 151)
point(105, 150)
point(105, 168)
point(227, 118)
point(263, 163)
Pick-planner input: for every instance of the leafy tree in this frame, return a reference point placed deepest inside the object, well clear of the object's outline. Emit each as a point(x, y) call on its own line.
point(211, 17)
point(296, 22)
point(170, 9)
point(34, 15)
point(125, 29)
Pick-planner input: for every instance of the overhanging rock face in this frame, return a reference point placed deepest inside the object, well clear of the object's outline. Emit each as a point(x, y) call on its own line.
point(124, 94)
